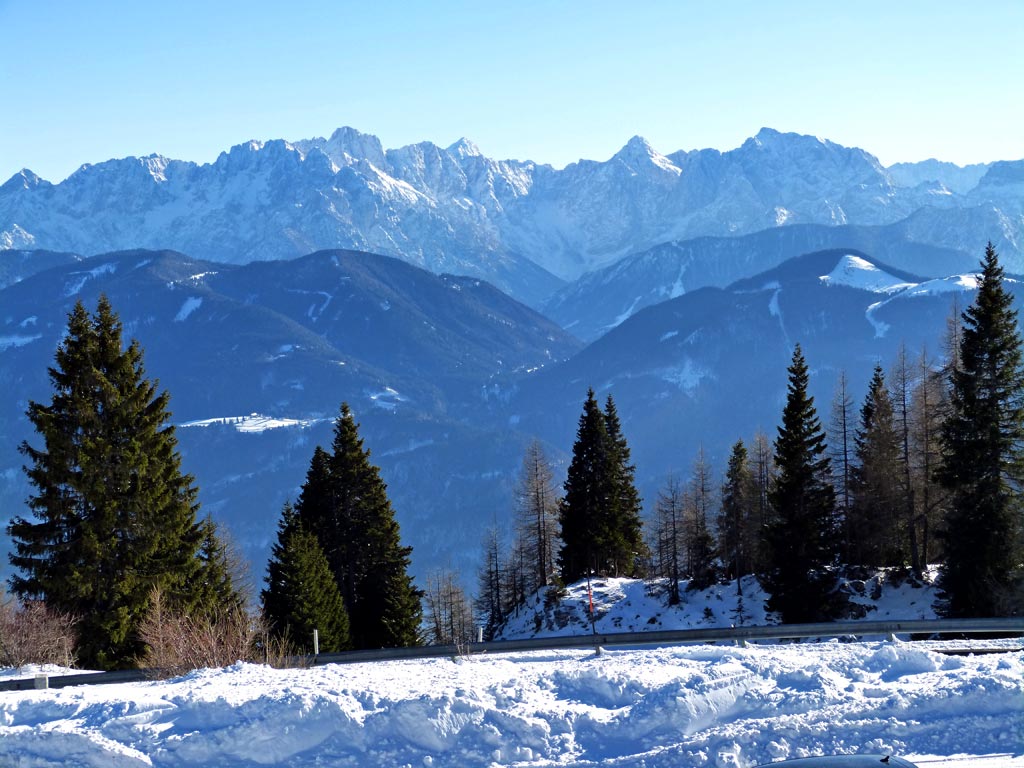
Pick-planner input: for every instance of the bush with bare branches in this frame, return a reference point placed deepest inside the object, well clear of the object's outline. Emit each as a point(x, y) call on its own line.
point(177, 642)
point(31, 633)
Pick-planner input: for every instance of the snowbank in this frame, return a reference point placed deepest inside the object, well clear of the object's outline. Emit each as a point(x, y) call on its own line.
point(693, 706)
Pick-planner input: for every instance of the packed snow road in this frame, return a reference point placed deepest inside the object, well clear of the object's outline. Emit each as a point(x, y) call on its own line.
point(691, 706)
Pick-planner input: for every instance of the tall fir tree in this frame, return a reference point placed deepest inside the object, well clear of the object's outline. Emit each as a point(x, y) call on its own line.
point(301, 594)
point(737, 516)
point(600, 511)
point(216, 591)
point(874, 538)
point(801, 535)
point(982, 462)
point(625, 528)
point(344, 502)
point(114, 515)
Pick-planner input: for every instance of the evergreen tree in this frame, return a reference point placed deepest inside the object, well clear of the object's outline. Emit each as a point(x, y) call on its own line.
point(491, 602)
point(215, 591)
point(344, 503)
point(737, 516)
point(114, 516)
point(874, 533)
point(841, 442)
point(801, 535)
point(982, 462)
point(301, 593)
point(624, 528)
point(600, 511)
point(588, 491)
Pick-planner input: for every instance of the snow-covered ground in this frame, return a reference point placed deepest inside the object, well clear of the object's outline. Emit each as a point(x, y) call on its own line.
point(691, 706)
point(694, 706)
point(630, 605)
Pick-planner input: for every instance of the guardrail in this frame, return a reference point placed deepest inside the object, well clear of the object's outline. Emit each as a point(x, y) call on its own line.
point(676, 636)
point(857, 629)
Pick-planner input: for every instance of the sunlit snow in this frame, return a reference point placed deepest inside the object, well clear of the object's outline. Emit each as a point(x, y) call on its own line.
point(856, 272)
point(699, 706)
point(191, 305)
point(254, 422)
point(73, 287)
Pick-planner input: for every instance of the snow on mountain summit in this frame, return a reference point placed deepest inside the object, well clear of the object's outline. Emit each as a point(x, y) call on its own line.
point(857, 272)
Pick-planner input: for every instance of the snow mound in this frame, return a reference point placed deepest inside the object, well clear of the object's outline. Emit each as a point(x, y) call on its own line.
point(698, 706)
point(856, 272)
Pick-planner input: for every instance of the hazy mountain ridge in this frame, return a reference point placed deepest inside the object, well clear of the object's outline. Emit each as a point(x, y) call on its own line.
point(450, 378)
point(516, 224)
point(409, 350)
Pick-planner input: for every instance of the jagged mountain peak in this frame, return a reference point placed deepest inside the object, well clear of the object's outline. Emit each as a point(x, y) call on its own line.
point(638, 152)
point(23, 179)
point(464, 148)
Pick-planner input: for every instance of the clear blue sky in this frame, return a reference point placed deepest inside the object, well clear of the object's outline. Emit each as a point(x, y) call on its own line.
point(81, 82)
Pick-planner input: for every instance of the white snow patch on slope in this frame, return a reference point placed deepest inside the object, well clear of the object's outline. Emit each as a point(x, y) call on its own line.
point(880, 328)
point(191, 305)
point(73, 287)
point(955, 283)
point(687, 376)
point(855, 272)
point(387, 398)
point(254, 422)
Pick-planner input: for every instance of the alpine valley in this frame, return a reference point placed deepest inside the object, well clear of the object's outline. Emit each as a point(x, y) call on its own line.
point(462, 306)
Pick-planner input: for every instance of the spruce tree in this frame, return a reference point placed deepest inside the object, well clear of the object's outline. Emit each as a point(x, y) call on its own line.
point(737, 516)
point(801, 534)
point(113, 514)
point(875, 512)
point(215, 592)
point(624, 528)
point(344, 503)
point(301, 593)
point(588, 492)
point(600, 511)
point(981, 462)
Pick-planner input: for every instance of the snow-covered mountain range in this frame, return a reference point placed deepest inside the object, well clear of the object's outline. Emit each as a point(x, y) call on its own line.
point(523, 226)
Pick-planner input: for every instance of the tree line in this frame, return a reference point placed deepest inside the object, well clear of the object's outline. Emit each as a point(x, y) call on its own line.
point(929, 470)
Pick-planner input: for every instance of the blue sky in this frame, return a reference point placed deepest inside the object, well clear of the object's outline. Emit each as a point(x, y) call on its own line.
point(546, 81)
